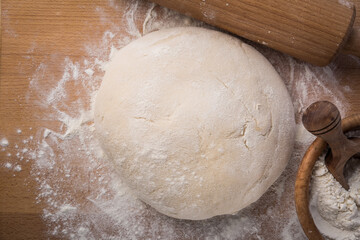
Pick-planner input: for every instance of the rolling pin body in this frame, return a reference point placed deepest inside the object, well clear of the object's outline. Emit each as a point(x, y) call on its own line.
point(310, 30)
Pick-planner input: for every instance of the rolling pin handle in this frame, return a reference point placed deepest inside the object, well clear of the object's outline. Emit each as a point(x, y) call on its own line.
point(352, 45)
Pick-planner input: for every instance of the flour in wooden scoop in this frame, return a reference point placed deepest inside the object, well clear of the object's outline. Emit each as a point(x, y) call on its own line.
point(334, 209)
point(82, 197)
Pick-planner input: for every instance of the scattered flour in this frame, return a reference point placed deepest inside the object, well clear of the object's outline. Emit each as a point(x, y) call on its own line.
point(82, 195)
point(8, 165)
point(17, 168)
point(4, 142)
point(346, 3)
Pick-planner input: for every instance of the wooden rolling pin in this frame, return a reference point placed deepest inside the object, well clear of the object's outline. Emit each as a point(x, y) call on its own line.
point(310, 30)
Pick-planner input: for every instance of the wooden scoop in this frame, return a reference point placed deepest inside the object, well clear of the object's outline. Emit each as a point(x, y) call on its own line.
point(315, 150)
point(312, 30)
point(323, 120)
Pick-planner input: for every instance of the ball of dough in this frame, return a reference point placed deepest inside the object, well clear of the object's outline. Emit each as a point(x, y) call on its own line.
point(197, 122)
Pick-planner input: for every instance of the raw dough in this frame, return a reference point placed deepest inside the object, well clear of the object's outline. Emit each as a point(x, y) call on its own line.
point(197, 122)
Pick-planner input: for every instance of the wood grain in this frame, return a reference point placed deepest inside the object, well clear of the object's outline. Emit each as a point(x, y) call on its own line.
point(302, 189)
point(34, 32)
point(311, 31)
point(352, 45)
point(37, 31)
point(323, 119)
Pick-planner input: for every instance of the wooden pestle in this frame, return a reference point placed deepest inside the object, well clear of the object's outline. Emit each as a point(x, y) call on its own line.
point(323, 120)
point(310, 30)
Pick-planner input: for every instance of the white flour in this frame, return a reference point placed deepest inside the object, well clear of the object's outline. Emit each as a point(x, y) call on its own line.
point(4, 142)
point(346, 3)
point(81, 195)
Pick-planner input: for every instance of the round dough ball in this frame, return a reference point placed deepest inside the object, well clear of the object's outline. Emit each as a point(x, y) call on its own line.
point(197, 122)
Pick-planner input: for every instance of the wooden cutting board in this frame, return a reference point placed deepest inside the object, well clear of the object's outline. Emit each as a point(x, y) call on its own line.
point(34, 31)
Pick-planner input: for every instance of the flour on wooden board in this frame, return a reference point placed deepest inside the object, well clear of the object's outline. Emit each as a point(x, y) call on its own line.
point(4, 142)
point(75, 179)
point(346, 3)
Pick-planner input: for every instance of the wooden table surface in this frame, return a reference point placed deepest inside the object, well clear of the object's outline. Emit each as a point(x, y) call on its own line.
point(34, 31)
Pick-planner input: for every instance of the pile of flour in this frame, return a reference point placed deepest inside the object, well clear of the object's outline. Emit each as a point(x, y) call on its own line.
point(77, 188)
point(335, 210)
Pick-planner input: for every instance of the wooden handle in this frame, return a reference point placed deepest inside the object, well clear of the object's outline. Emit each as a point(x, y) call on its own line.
point(352, 45)
point(310, 30)
point(323, 120)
